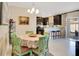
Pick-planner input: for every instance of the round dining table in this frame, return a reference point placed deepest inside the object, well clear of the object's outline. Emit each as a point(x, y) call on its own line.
point(30, 41)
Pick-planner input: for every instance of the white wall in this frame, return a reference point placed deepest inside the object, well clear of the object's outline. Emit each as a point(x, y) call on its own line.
point(15, 12)
point(73, 14)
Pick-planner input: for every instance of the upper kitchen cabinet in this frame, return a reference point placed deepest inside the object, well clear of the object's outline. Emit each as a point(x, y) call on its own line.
point(42, 20)
point(57, 20)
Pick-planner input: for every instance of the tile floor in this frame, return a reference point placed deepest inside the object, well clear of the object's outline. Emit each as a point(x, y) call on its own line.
point(62, 47)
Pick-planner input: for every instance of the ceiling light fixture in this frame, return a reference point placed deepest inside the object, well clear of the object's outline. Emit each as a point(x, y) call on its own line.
point(37, 11)
point(33, 10)
point(28, 10)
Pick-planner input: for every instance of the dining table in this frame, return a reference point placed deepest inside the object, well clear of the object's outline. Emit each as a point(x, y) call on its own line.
point(31, 41)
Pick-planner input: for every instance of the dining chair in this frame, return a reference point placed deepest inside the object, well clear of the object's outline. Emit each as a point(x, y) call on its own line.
point(46, 49)
point(17, 49)
point(39, 51)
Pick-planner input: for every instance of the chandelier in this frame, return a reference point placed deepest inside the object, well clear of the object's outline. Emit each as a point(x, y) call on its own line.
point(33, 10)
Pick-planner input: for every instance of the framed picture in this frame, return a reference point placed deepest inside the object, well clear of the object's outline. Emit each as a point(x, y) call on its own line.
point(23, 20)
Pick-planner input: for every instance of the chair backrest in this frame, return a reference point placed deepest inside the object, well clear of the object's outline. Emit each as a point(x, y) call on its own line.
point(46, 40)
point(41, 43)
point(16, 42)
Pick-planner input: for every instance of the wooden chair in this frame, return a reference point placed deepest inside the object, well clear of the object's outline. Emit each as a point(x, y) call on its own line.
point(17, 49)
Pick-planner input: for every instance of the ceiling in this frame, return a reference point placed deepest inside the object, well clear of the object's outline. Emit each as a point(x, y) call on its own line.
point(48, 8)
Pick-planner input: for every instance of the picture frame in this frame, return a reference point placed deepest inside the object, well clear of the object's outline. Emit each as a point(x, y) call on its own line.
point(23, 20)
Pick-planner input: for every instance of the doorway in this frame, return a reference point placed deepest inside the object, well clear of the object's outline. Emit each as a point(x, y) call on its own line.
point(72, 30)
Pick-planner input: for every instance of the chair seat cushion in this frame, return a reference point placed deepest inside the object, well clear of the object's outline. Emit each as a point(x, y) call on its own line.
point(24, 49)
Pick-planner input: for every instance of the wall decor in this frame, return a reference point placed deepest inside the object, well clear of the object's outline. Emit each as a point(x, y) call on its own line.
point(23, 20)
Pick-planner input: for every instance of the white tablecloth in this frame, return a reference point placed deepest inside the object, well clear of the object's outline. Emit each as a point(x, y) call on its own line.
point(31, 42)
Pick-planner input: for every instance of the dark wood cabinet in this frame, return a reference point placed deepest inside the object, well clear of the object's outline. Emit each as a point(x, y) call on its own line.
point(43, 20)
point(1, 12)
point(57, 20)
point(39, 20)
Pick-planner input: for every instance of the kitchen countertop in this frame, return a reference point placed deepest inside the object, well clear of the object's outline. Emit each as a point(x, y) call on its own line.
point(49, 29)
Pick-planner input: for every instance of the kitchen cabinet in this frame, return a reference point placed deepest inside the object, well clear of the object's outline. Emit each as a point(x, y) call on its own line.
point(42, 20)
point(57, 20)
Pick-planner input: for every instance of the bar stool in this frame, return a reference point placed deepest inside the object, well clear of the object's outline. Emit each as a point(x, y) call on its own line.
point(53, 33)
point(58, 34)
